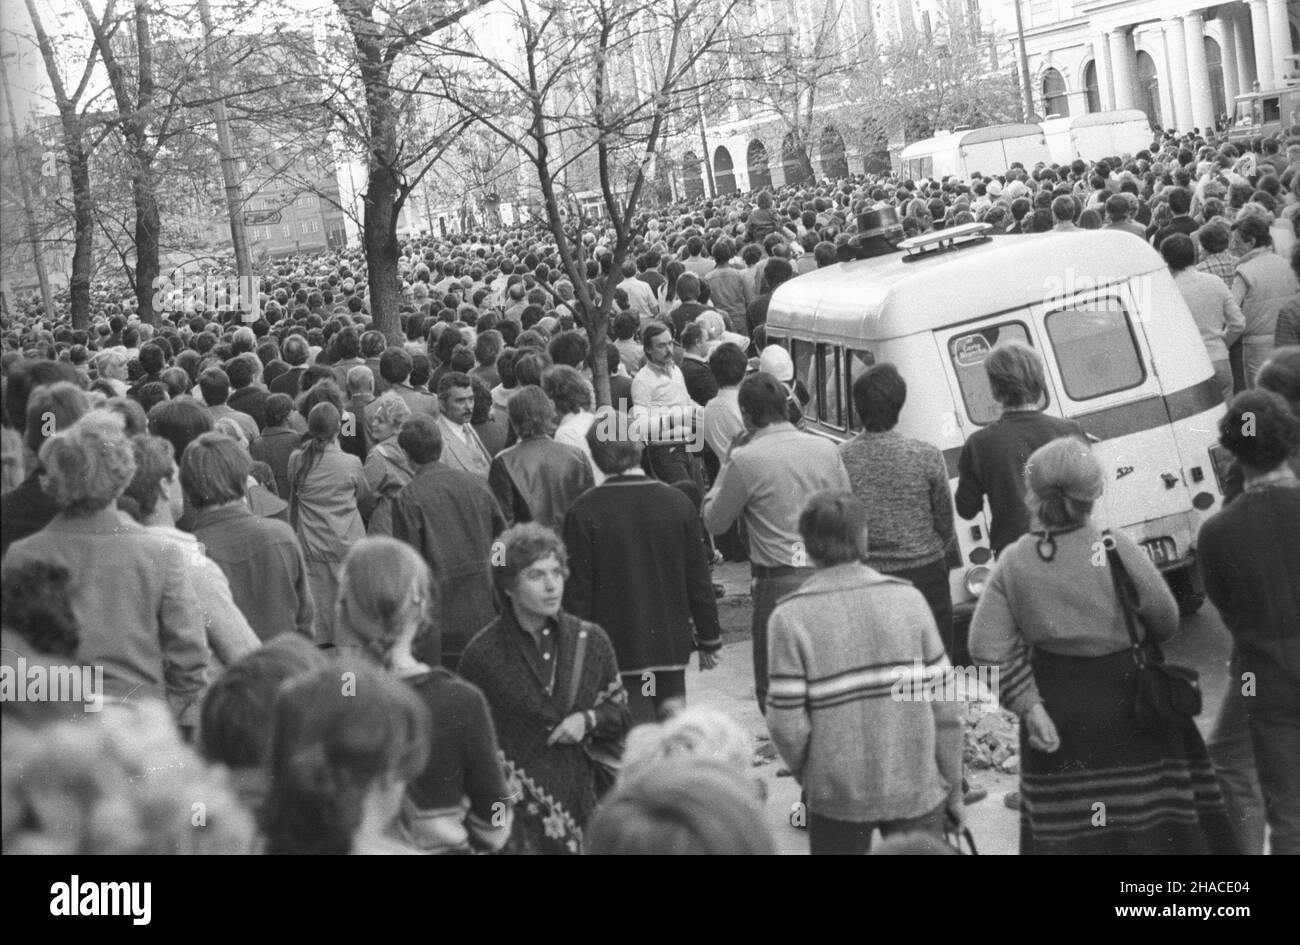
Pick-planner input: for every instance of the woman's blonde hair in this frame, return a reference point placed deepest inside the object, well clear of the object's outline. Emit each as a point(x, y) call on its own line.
point(124, 784)
point(230, 427)
point(1063, 480)
point(88, 465)
point(375, 600)
point(697, 734)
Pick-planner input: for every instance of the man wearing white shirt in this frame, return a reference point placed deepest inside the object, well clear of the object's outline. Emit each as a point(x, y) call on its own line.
point(663, 409)
point(720, 421)
point(640, 297)
point(462, 449)
point(571, 394)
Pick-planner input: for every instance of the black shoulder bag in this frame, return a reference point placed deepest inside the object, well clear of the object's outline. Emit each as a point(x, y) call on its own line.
point(1164, 695)
point(605, 755)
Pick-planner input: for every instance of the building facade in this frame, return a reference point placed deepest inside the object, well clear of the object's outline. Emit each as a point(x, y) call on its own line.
point(1181, 62)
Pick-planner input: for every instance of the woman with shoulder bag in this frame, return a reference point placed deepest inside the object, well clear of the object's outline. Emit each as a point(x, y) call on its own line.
point(552, 683)
point(1094, 778)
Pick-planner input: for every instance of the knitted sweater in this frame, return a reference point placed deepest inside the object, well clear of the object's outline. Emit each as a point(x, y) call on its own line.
point(461, 794)
point(843, 649)
point(1067, 606)
point(903, 484)
point(993, 464)
point(554, 784)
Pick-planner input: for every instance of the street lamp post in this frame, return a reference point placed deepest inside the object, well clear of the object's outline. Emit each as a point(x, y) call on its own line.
point(1024, 66)
point(229, 173)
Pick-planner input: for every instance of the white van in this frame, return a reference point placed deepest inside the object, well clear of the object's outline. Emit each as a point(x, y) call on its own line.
point(1124, 359)
point(1097, 135)
point(986, 150)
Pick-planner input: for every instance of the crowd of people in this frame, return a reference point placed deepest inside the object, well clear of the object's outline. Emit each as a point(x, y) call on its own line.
point(376, 595)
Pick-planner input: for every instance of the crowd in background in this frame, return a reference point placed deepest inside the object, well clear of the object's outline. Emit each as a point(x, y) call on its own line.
point(373, 595)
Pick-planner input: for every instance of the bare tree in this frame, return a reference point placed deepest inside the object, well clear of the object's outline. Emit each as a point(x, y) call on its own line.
point(585, 83)
point(77, 154)
point(800, 67)
point(944, 81)
point(370, 101)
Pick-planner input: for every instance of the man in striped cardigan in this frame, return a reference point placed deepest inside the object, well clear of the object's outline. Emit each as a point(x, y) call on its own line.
point(856, 707)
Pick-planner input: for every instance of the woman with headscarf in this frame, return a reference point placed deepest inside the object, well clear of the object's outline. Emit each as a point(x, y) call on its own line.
point(326, 488)
point(1092, 780)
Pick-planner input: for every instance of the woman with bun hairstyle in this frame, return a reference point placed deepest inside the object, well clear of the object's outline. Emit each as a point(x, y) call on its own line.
point(1052, 621)
point(346, 740)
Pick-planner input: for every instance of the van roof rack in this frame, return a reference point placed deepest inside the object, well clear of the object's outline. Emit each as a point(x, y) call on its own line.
point(945, 240)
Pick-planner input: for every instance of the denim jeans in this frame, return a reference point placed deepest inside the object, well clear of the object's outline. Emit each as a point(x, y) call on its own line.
point(766, 591)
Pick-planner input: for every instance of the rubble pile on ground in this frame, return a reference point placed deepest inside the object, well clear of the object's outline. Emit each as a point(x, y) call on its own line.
point(992, 739)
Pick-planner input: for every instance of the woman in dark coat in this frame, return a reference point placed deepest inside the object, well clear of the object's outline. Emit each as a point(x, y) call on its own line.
point(553, 685)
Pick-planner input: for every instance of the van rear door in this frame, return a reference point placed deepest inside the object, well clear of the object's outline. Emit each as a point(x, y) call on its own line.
point(1100, 364)
point(962, 351)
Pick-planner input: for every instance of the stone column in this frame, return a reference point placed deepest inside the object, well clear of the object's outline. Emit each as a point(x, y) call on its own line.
point(1198, 71)
point(1279, 28)
point(1242, 39)
point(1265, 73)
point(1101, 57)
point(1231, 88)
point(1176, 69)
point(1122, 65)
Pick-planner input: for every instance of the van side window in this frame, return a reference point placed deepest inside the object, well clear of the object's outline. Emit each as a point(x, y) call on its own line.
point(858, 362)
point(968, 352)
point(1272, 109)
point(831, 386)
point(804, 354)
point(1095, 348)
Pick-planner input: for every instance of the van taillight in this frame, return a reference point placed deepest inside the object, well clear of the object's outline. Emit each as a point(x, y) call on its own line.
point(1221, 460)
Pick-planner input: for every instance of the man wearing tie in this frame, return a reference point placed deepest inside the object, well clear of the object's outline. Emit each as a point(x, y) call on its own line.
point(462, 448)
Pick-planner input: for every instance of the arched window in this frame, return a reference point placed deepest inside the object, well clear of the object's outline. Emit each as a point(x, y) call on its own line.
point(1055, 101)
point(1148, 83)
point(794, 160)
point(724, 178)
point(1091, 88)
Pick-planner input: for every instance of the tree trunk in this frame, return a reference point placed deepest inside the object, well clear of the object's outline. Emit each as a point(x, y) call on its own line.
point(147, 225)
point(382, 250)
point(84, 228)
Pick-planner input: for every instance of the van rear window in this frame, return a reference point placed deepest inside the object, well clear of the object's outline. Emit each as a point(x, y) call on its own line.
point(1095, 348)
point(968, 352)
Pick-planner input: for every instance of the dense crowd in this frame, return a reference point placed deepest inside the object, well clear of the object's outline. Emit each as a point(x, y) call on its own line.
point(429, 596)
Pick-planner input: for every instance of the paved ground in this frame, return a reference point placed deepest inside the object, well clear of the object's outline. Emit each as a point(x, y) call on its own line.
point(1203, 643)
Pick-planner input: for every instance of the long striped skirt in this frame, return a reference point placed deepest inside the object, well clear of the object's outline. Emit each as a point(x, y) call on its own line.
point(1109, 788)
